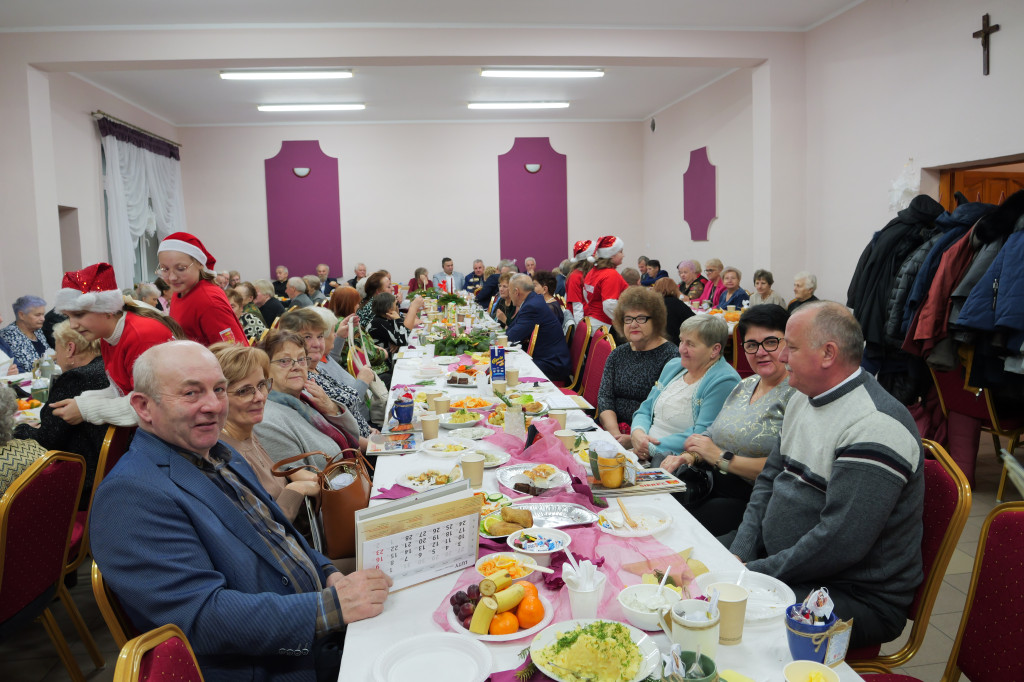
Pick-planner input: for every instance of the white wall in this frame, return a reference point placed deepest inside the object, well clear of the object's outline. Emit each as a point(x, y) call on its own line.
point(720, 118)
point(888, 81)
point(410, 194)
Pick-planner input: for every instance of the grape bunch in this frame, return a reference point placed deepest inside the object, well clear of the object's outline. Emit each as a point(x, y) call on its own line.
point(464, 603)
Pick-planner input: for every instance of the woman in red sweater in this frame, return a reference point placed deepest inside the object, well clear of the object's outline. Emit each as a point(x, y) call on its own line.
point(197, 304)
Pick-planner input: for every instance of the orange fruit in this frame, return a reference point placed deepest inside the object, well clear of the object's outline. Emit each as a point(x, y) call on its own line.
point(529, 588)
point(504, 624)
point(530, 612)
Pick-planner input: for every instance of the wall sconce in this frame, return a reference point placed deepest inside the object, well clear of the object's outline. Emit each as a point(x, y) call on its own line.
point(532, 167)
point(300, 172)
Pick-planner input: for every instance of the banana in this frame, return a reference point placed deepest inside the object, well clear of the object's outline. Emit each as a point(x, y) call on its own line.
point(482, 615)
point(509, 598)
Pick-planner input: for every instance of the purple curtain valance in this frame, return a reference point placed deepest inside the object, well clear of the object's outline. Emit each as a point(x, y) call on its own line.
point(137, 138)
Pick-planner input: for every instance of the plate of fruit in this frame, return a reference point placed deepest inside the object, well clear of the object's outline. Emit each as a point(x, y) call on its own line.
point(499, 609)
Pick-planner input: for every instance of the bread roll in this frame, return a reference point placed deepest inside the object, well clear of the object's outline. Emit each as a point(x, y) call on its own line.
point(503, 528)
point(521, 516)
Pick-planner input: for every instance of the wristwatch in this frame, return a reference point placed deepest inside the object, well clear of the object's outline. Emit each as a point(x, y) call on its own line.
point(723, 461)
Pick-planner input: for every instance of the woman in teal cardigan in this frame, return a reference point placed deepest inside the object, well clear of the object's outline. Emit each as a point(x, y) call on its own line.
point(687, 396)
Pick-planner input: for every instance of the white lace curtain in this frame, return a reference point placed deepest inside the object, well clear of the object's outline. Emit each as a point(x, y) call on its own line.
point(144, 194)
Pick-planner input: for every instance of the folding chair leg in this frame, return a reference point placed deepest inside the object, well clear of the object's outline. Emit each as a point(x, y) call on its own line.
point(83, 631)
point(61, 644)
point(1002, 484)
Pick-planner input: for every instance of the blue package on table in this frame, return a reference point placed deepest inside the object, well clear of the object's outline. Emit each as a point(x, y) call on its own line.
point(497, 363)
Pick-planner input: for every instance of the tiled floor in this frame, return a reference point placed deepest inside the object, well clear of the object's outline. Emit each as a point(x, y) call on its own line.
point(30, 657)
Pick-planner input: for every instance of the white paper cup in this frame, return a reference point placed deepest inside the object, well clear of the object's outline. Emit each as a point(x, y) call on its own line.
point(431, 396)
point(499, 386)
point(559, 416)
point(430, 424)
point(732, 605)
point(584, 603)
point(442, 404)
point(512, 377)
point(567, 436)
point(473, 469)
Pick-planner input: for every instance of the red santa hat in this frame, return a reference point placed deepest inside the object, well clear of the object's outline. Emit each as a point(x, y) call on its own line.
point(609, 246)
point(582, 250)
point(90, 290)
point(190, 245)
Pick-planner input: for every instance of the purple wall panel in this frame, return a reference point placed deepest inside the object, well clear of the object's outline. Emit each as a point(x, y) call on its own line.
point(303, 214)
point(533, 207)
point(700, 198)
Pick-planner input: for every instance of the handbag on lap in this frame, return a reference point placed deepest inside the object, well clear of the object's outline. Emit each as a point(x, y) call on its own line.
point(337, 506)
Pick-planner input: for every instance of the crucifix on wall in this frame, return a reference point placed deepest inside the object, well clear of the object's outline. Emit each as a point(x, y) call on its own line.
point(984, 33)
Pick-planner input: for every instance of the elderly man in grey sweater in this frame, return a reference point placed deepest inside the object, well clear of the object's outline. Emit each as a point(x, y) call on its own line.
point(839, 502)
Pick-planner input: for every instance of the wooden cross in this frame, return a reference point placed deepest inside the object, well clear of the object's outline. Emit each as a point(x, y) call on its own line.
point(984, 33)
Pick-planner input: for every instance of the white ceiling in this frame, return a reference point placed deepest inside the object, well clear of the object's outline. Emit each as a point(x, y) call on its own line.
point(195, 97)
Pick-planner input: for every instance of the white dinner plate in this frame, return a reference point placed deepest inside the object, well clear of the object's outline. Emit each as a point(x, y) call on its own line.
point(490, 402)
point(510, 475)
point(493, 458)
point(434, 657)
point(476, 432)
point(549, 613)
point(445, 421)
point(453, 471)
point(437, 447)
point(649, 653)
point(445, 359)
point(769, 597)
point(649, 520)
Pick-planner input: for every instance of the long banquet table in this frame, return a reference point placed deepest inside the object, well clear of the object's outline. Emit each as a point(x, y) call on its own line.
point(407, 613)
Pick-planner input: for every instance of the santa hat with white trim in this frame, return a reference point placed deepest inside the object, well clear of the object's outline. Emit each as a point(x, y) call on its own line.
point(609, 246)
point(90, 290)
point(582, 250)
point(188, 244)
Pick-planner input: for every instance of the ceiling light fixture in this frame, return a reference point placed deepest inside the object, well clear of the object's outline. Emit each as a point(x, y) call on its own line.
point(518, 105)
point(311, 107)
point(542, 73)
point(284, 75)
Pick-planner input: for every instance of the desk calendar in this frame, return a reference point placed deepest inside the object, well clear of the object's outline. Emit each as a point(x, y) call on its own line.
point(421, 537)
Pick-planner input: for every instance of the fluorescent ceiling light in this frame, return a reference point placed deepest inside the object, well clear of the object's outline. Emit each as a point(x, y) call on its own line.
point(542, 73)
point(518, 105)
point(311, 107)
point(284, 75)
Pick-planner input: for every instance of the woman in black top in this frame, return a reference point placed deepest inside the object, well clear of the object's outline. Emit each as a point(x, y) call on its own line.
point(676, 312)
point(82, 370)
point(386, 327)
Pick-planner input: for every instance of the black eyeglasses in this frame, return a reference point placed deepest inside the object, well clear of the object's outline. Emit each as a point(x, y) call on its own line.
point(770, 343)
point(639, 319)
point(248, 392)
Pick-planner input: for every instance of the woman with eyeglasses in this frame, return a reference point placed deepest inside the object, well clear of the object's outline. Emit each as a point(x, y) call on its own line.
point(247, 371)
point(714, 287)
point(299, 417)
point(739, 441)
point(314, 331)
point(633, 367)
point(97, 310)
point(197, 303)
point(687, 396)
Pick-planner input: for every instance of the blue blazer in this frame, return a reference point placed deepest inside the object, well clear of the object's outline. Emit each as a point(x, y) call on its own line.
point(175, 549)
point(552, 353)
point(716, 386)
point(736, 299)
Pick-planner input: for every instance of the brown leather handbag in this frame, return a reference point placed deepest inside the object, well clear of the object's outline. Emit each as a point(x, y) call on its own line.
point(337, 507)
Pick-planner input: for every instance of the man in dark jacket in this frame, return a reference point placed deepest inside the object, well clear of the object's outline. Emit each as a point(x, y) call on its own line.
point(551, 353)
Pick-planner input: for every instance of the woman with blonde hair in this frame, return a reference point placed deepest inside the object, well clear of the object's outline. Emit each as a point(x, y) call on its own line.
point(714, 287)
point(248, 373)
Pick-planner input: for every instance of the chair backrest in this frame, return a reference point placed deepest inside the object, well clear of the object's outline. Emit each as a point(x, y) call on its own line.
point(740, 360)
point(987, 643)
point(533, 340)
point(596, 360)
point(163, 653)
point(569, 329)
point(953, 396)
point(578, 351)
point(1013, 469)
point(114, 616)
point(37, 514)
point(267, 330)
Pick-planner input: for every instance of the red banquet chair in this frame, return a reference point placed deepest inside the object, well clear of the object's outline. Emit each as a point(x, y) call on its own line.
point(600, 349)
point(986, 648)
point(577, 354)
point(947, 503)
point(160, 654)
point(37, 515)
point(533, 340)
point(120, 626)
point(740, 360)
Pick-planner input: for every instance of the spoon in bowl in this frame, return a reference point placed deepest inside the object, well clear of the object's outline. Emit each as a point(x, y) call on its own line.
point(655, 601)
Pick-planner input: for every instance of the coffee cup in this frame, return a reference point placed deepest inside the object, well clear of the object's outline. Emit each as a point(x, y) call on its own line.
point(732, 604)
point(512, 377)
point(499, 386)
point(559, 416)
point(430, 424)
point(691, 623)
point(402, 410)
point(431, 396)
point(473, 468)
point(442, 404)
point(568, 438)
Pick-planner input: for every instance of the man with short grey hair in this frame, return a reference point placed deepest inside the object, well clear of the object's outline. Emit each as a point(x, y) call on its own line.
point(475, 279)
point(185, 534)
point(360, 274)
point(550, 353)
point(839, 502)
point(281, 272)
point(531, 265)
point(804, 285)
point(296, 292)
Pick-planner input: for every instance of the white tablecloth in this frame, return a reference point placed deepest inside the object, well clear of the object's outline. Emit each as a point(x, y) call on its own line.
point(408, 613)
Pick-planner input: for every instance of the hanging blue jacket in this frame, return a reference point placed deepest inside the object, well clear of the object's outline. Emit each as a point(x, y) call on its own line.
point(997, 300)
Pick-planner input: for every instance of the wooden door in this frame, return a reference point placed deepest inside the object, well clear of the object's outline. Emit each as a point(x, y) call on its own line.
point(989, 186)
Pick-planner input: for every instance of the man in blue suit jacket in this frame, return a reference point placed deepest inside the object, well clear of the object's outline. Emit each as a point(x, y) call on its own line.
point(453, 281)
point(185, 534)
point(551, 353)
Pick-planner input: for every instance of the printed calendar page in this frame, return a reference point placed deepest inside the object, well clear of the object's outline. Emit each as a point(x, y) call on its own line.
point(420, 539)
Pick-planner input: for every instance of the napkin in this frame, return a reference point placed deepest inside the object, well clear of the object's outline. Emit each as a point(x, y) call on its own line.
point(513, 675)
point(532, 380)
point(395, 492)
